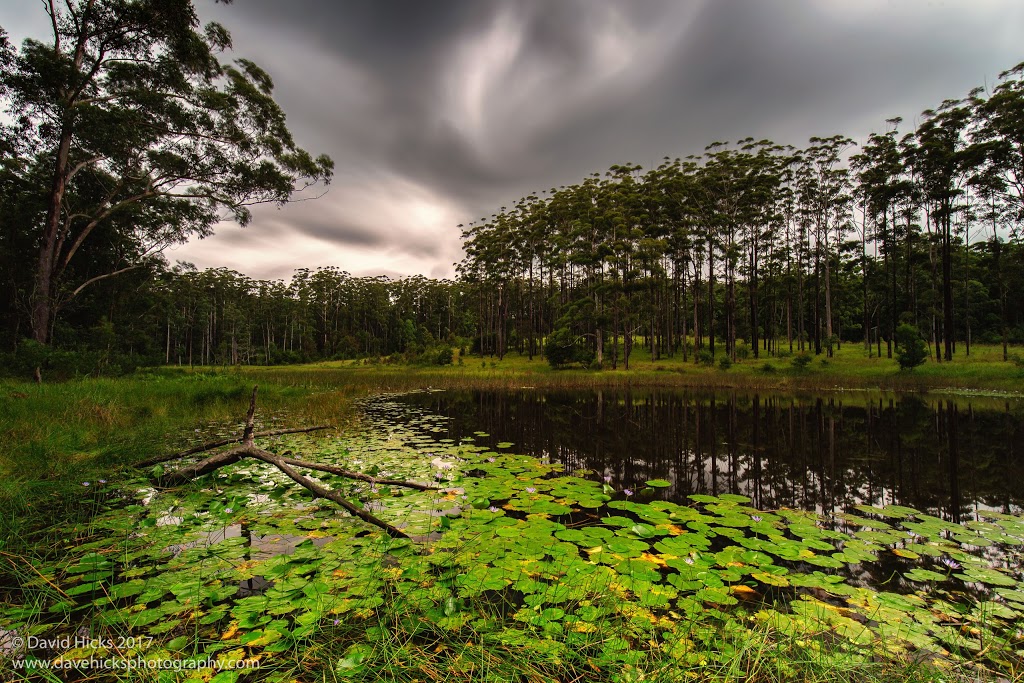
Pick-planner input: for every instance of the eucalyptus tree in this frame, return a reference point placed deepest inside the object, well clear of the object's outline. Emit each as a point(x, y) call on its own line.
point(1000, 181)
point(720, 207)
point(670, 188)
point(942, 159)
point(763, 216)
point(621, 215)
point(1001, 133)
point(880, 183)
point(825, 187)
point(990, 187)
point(790, 250)
point(141, 125)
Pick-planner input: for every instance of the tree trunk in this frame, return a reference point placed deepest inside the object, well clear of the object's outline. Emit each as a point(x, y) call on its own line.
point(42, 293)
point(947, 283)
point(711, 297)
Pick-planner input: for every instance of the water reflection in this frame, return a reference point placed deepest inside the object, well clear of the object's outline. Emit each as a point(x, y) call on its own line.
point(817, 453)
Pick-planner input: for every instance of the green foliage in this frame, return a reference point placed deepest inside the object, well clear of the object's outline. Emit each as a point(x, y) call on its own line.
point(725, 362)
point(214, 142)
point(911, 349)
point(58, 364)
point(612, 261)
point(563, 348)
point(444, 356)
point(705, 358)
point(801, 361)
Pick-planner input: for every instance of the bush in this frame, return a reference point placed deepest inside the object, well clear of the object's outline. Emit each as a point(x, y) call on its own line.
point(444, 356)
point(60, 364)
point(911, 349)
point(767, 368)
point(705, 358)
point(725, 362)
point(801, 361)
point(562, 348)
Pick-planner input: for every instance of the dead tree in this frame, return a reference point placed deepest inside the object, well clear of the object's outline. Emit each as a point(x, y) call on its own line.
point(248, 449)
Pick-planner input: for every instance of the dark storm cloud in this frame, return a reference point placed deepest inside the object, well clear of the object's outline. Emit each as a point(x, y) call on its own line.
point(438, 113)
point(739, 67)
point(421, 61)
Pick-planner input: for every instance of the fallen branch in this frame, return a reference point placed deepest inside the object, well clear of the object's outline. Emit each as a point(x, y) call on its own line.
point(186, 474)
point(210, 445)
point(321, 492)
point(331, 469)
point(248, 449)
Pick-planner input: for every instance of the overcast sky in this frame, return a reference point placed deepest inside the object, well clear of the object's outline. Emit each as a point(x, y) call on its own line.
point(439, 112)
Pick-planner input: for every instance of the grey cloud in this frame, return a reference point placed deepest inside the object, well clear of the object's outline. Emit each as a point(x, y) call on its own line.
point(475, 103)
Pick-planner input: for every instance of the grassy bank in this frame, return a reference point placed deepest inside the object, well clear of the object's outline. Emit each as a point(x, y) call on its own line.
point(849, 368)
point(56, 436)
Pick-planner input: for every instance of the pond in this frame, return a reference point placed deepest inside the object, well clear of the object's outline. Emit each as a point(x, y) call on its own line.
point(824, 453)
point(652, 528)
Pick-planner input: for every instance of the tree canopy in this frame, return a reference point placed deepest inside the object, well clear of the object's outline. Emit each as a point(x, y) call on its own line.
point(129, 134)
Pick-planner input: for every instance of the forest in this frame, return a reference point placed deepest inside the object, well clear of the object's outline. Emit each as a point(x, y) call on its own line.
point(748, 249)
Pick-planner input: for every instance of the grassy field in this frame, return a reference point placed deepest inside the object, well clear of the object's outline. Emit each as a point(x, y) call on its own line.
point(850, 368)
point(66, 456)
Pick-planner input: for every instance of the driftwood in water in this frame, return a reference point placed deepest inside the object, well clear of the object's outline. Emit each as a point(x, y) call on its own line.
point(248, 449)
point(210, 445)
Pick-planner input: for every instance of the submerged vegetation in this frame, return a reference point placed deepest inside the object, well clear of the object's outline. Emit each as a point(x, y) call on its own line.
point(516, 570)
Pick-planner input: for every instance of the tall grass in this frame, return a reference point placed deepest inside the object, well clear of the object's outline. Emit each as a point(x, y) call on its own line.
point(55, 437)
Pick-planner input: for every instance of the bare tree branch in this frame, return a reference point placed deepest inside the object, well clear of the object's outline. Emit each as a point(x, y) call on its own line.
point(248, 449)
point(210, 445)
point(321, 492)
point(90, 281)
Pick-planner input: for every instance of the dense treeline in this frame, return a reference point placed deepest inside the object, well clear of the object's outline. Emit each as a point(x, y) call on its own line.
point(758, 248)
point(748, 249)
point(220, 317)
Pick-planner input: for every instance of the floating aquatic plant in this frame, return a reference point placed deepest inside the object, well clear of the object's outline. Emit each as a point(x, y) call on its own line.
point(524, 554)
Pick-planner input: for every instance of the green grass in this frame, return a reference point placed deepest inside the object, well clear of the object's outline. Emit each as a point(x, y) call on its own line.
point(57, 436)
point(850, 368)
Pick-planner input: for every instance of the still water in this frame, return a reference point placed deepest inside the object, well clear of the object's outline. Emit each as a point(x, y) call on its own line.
point(823, 453)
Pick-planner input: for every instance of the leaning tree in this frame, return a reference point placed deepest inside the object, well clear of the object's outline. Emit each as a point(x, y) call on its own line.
point(134, 121)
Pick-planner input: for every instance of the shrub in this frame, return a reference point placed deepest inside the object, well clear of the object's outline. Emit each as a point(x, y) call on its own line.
point(801, 361)
point(562, 348)
point(911, 349)
point(444, 356)
point(704, 357)
point(725, 362)
point(767, 368)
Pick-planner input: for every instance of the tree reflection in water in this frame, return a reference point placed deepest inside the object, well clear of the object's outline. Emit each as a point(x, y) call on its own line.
point(823, 453)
